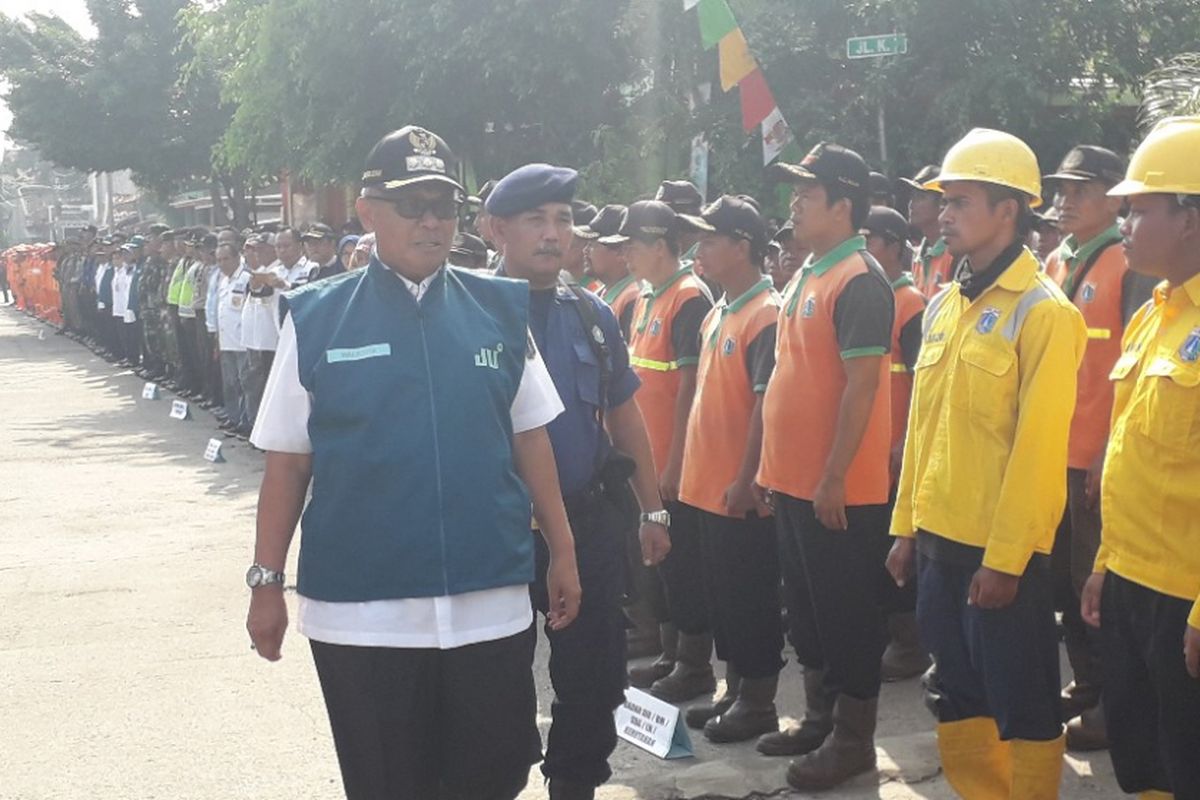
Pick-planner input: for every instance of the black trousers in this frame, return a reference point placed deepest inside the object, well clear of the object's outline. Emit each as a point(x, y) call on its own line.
point(682, 572)
point(587, 659)
point(259, 369)
point(421, 724)
point(741, 582)
point(1000, 663)
point(835, 588)
point(131, 337)
point(1151, 704)
point(189, 358)
point(1075, 547)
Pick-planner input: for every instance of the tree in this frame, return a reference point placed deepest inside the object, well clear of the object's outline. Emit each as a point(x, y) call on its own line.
point(119, 101)
point(1173, 90)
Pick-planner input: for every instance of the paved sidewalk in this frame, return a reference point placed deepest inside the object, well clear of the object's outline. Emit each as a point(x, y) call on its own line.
point(125, 670)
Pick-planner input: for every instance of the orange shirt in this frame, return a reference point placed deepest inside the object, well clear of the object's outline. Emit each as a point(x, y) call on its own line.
point(621, 297)
point(658, 349)
point(910, 305)
point(933, 267)
point(803, 400)
point(728, 383)
point(1099, 298)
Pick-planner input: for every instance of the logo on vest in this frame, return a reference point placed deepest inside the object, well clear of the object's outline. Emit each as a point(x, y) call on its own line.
point(489, 358)
point(655, 327)
point(988, 319)
point(1089, 292)
point(1190, 351)
point(809, 308)
point(728, 346)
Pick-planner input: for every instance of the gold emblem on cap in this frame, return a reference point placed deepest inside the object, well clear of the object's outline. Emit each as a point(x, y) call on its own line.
point(423, 142)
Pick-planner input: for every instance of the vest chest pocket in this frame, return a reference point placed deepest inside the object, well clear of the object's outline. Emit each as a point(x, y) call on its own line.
point(988, 375)
point(587, 374)
point(1172, 396)
point(931, 353)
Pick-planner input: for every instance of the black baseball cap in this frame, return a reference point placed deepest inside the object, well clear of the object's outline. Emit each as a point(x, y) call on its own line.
point(407, 157)
point(886, 222)
point(318, 231)
point(682, 196)
point(1090, 163)
point(582, 211)
point(646, 221)
point(733, 217)
point(158, 228)
point(784, 233)
point(469, 245)
point(924, 175)
point(830, 165)
point(879, 183)
point(606, 222)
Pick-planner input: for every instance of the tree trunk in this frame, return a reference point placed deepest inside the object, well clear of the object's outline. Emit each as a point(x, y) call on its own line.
point(218, 205)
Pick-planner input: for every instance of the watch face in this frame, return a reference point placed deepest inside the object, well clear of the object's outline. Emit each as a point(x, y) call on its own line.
point(254, 577)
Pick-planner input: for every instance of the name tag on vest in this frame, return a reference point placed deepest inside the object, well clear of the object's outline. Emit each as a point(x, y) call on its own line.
point(357, 353)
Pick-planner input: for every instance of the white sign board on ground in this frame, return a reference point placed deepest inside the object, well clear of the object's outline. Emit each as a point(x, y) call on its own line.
point(213, 451)
point(179, 409)
point(653, 725)
point(150, 391)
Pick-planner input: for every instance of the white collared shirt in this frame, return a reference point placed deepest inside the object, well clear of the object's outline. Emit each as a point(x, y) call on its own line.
point(231, 298)
point(421, 622)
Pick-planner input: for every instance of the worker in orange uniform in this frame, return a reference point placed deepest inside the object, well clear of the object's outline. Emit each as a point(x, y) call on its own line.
point(1090, 268)
point(826, 436)
point(1145, 592)
point(618, 288)
point(933, 265)
point(721, 454)
point(886, 231)
point(664, 349)
point(981, 490)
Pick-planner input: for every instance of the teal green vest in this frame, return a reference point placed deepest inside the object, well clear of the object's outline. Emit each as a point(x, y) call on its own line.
point(414, 490)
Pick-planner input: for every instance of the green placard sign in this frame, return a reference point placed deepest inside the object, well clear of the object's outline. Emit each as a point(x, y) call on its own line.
point(888, 44)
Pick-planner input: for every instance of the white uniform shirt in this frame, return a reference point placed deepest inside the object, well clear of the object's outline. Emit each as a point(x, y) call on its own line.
point(120, 289)
point(426, 622)
point(231, 298)
point(211, 298)
point(260, 330)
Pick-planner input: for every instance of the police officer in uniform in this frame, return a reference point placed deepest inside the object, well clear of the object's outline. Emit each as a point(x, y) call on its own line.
point(410, 395)
point(531, 219)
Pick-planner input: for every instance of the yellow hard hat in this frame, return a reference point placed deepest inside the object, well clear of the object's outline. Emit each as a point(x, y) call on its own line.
point(996, 157)
point(1166, 162)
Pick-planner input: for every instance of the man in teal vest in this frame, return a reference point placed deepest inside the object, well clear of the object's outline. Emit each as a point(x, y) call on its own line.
point(412, 398)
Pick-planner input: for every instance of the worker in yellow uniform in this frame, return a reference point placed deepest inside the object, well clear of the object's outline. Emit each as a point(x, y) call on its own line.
point(1090, 268)
point(981, 487)
point(1145, 591)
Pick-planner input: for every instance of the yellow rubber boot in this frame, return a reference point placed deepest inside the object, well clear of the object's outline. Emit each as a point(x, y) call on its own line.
point(977, 764)
point(1154, 794)
point(1037, 768)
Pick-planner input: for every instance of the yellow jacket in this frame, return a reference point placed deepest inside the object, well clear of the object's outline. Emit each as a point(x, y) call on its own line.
point(985, 463)
point(1150, 497)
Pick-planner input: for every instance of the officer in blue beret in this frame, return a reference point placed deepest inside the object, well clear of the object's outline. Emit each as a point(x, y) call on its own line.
point(604, 461)
point(411, 397)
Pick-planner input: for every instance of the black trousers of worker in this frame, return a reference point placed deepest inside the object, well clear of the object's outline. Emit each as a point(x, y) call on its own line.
point(425, 724)
point(1151, 704)
point(587, 659)
point(1000, 663)
point(1075, 548)
point(741, 582)
point(836, 588)
point(190, 373)
point(682, 572)
point(131, 338)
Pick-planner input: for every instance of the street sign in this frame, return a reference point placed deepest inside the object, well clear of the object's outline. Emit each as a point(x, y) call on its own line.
point(888, 44)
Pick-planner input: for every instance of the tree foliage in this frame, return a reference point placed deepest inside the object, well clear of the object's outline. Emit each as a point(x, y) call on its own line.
point(308, 85)
point(116, 101)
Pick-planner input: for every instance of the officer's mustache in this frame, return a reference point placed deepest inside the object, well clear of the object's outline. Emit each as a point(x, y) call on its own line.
point(548, 251)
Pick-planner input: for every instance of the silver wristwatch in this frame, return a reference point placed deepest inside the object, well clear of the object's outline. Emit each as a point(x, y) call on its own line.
point(661, 517)
point(258, 575)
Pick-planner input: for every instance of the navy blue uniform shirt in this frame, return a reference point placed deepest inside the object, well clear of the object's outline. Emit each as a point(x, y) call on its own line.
point(571, 361)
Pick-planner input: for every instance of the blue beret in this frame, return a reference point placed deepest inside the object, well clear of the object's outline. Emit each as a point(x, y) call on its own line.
point(531, 186)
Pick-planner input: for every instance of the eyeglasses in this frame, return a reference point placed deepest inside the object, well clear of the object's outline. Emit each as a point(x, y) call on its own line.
point(443, 208)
